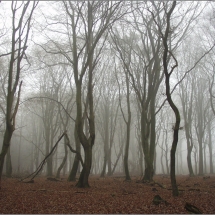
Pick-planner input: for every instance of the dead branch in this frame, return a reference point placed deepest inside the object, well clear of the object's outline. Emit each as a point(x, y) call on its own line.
point(53, 179)
point(36, 172)
point(192, 208)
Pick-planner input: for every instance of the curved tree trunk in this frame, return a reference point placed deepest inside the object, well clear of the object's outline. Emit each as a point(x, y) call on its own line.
point(21, 24)
point(166, 55)
point(64, 159)
point(73, 172)
point(83, 179)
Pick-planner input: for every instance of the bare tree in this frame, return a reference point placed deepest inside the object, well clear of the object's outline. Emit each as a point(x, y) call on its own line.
point(85, 31)
point(139, 56)
point(186, 92)
point(22, 13)
point(167, 54)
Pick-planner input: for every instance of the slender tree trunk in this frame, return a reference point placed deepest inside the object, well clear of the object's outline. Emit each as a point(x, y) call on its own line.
point(141, 159)
point(49, 172)
point(64, 159)
point(104, 165)
point(117, 159)
point(189, 163)
point(196, 161)
point(210, 148)
point(169, 99)
point(205, 160)
point(8, 164)
point(127, 175)
point(162, 166)
point(106, 142)
point(109, 162)
point(128, 130)
point(200, 158)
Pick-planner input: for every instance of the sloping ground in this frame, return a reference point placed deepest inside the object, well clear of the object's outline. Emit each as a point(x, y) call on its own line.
point(106, 195)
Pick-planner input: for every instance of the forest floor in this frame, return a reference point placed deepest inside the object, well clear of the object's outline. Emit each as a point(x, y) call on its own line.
point(109, 195)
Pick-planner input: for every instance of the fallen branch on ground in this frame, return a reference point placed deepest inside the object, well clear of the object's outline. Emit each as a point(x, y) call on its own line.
point(192, 208)
point(36, 172)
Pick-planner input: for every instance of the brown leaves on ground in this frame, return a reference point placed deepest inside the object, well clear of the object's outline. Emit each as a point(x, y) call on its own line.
point(106, 195)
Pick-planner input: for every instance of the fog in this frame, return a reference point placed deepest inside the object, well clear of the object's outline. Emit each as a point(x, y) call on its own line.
point(101, 75)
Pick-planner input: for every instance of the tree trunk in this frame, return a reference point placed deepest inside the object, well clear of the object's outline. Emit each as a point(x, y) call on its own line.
point(104, 166)
point(64, 159)
point(106, 144)
point(127, 175)
point(162, 166)
point(210, 148)
point(200, 158)
point(148, 172)
point(141, 159)
point(8, 164)
point(117, 159)
point(169, 98)
point(6, 144)
point(128, 131)
point(72, 175)
point(149, 158)
point(49, 169)
point(189, 163)
point(196, 161)
point(172, 165)
point(109, 162)
point(83, 179)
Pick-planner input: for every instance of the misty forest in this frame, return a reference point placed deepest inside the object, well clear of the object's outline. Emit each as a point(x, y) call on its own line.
point(106, 100)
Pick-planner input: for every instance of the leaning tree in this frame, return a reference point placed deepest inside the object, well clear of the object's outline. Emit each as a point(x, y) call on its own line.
point(22, 13)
